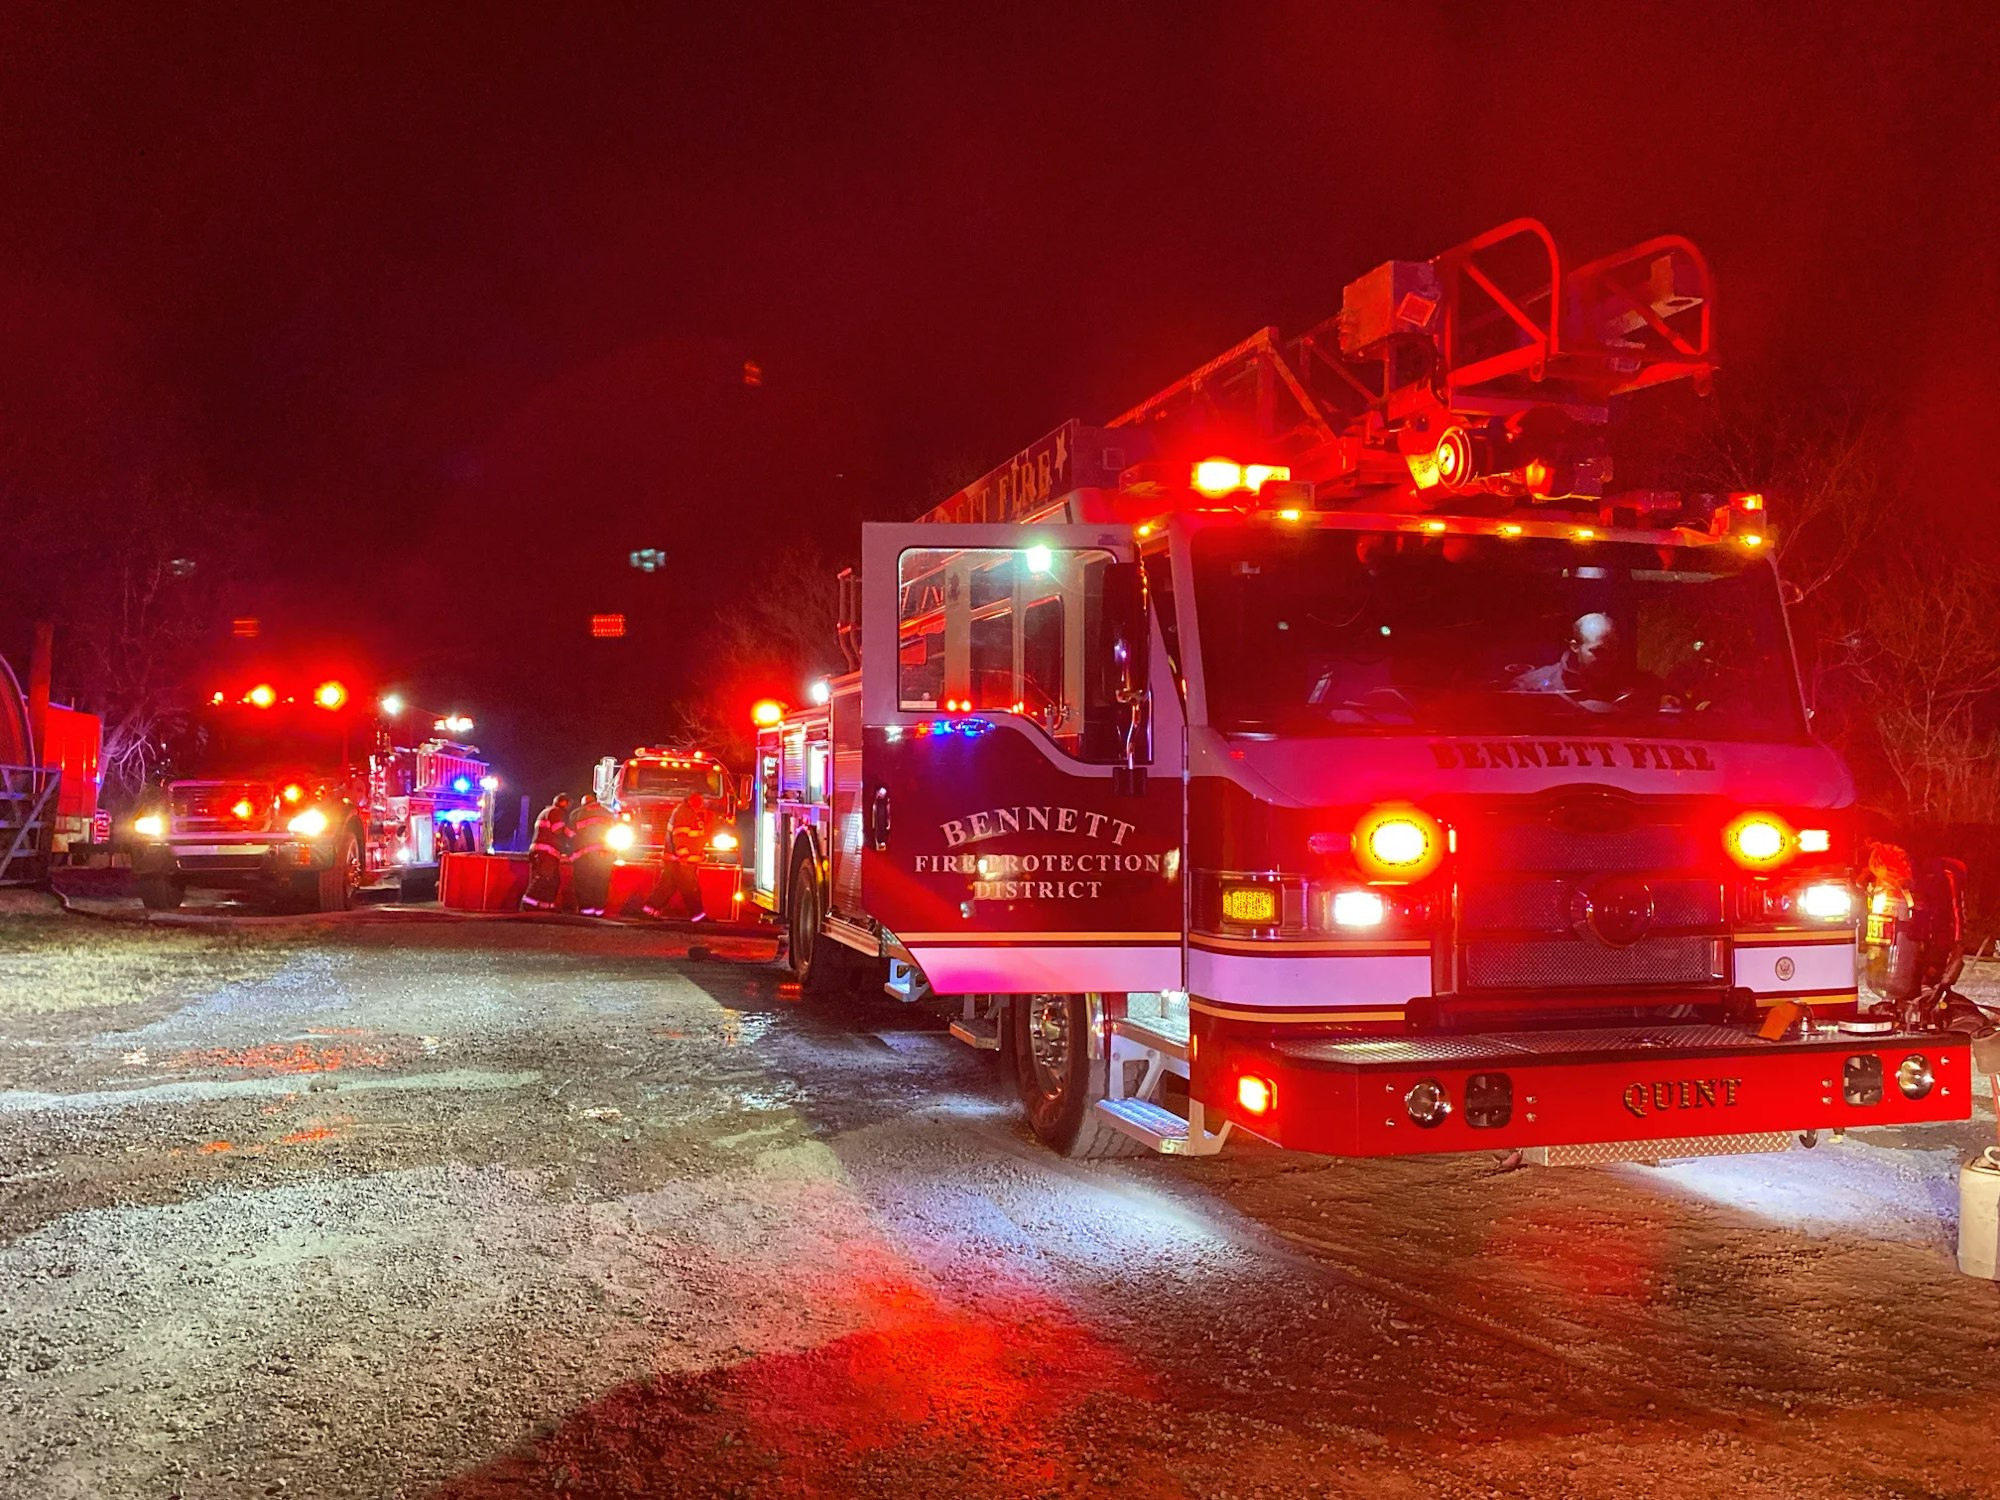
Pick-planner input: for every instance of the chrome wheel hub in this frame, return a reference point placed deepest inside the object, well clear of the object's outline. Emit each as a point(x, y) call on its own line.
point(1048, 1040)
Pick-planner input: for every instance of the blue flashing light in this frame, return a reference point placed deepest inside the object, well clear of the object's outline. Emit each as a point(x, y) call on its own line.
point(969, 729)
point(461, 784)
point(459, 815)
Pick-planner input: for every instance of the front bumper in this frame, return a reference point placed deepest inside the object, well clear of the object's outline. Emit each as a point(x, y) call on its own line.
point(1345, 1096)
point(233, 865)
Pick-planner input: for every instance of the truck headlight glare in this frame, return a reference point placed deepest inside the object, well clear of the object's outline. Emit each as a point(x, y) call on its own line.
point(309, 824)
point(618, 837)
point(1827, 902)
point(1358, 909)
point(723, 840)
point(150, 826)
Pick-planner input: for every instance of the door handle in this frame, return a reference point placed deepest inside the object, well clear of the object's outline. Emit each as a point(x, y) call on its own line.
point(878, 819)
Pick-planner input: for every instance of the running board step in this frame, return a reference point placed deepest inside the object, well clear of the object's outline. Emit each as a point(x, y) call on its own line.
point(985, 1035)
point(1160, 1129)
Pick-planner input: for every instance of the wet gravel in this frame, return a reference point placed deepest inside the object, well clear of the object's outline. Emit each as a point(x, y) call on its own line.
point(375, 1206)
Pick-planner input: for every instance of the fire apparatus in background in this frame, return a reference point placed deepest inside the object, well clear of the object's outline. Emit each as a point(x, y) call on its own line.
point(297, 790)
point(646, 786)
point(1325, 749)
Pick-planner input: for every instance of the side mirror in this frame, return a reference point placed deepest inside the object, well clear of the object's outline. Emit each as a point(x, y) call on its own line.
point(1128, 639)
point(1127, 633)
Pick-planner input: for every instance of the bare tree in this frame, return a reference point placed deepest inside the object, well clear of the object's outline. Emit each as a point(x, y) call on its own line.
point(1926, 656)
point(769, 641)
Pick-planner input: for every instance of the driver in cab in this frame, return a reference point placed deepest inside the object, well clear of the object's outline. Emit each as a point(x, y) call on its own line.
point(1598, 670)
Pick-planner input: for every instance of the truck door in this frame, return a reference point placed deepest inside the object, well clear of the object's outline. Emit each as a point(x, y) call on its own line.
point(1021, 787)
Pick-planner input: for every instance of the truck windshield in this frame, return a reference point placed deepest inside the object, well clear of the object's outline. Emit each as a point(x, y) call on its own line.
point(244, 741)
point(645, 778)
point(1328, 632)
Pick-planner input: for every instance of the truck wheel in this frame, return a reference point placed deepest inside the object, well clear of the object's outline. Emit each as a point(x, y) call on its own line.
point(338, 883)
point(1060, 1082)
point(160, 892)
point(802, 919)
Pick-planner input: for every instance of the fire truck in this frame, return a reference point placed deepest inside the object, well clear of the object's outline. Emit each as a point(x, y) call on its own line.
point(1326, 749)
point(645, 787)
point(300, 792)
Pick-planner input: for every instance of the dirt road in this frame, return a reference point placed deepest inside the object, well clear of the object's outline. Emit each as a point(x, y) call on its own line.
point(388, 1206)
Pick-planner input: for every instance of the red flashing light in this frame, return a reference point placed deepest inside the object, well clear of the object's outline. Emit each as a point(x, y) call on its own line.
point(263, 695)
point(1397, 844)
point(766, 712)
point(1216, 477)
point(247, 627)
point(330, 695)
point(1759, 841)
point(1256, 1096)
point(1749, 502)
point(607, 627)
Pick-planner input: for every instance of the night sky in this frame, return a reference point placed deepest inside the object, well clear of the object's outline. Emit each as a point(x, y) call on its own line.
point(461, 297)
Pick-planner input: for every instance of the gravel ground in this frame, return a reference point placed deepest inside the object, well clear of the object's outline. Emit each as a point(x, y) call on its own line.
point(380, 1205)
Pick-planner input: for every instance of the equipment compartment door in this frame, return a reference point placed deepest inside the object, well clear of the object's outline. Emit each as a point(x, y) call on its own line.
point(1006, 841)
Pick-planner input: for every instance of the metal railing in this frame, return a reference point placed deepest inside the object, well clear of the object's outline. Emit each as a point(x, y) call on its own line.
point(27, 822)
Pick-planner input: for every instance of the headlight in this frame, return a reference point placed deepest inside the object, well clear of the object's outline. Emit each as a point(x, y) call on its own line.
point(1828, 903)
point(1358, 909)
point(724, 840)
point(619, 836)
point(150, 826)
point(309, 824)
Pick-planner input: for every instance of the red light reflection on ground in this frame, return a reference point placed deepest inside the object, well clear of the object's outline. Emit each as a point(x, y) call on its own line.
point(1587, 1258)
point(283, 1057)
point(934, 1388)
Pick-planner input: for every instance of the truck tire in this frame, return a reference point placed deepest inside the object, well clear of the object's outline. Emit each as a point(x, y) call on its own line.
point(1060, 1082)
point(160, 892)
point(802, 922)
point(339, 882)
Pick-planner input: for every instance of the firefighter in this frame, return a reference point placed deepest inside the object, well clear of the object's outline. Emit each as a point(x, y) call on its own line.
point(590, 857)
point(689, 828)
point(546, 856)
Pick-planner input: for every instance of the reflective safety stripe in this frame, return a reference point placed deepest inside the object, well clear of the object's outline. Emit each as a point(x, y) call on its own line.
point(545, 849)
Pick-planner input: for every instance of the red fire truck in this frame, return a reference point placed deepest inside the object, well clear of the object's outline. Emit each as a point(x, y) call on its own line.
point(300, 792)
point(1324, 749)
point(645, 787)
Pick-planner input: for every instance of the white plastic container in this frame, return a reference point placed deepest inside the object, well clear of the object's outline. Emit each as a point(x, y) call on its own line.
point(1979, 1215)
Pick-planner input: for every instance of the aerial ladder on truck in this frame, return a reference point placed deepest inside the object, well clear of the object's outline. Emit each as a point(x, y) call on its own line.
point(1325, 748)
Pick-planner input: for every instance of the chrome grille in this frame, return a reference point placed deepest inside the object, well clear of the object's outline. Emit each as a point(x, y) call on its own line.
point(1569, 962)
point(1544, 905)
point(1522, 846)
point(1517, 907)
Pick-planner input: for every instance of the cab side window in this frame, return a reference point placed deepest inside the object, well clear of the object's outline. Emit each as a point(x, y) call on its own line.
point(1009, 630)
